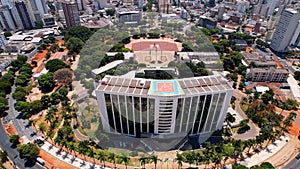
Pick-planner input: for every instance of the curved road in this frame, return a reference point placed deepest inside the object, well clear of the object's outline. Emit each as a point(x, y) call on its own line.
point(13, 153)
point(254, 131)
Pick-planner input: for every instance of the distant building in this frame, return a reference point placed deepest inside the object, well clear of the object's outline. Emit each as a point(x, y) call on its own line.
point(285, 30)
point(7, 20)
point(71, 13)
point(129, 16)
point(48, 20)
point(3, 40)
point(81, 5)
point(268, 74)
point(296, 37)
point(38, 9)
point(24, 14)
point(207, 22)
point(221, 11)
point(242, 44)
point(164, 6)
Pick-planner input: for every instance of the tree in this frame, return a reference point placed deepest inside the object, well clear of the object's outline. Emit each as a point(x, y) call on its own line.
point(55, 64)
point(28, 151)
point(63, 76)
point(14, 139)
point(74, 45)
point(3, 156)
point(7, 34)
point(112, 158)
point(80, 32)
point(297, 75)
point(143, 161)
point(46, 81)
point(5, 86)
point(52, 39)
point(42, 128)
point(101, 156)
point(179, 159)
point(124, 159)
point(154, 159)
point(54, 48)
point(19, 95)
point(46, 101)
point(48, 55)
point(110, 12)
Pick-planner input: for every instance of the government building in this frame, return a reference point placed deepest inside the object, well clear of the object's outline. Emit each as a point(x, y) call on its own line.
point(148, 108)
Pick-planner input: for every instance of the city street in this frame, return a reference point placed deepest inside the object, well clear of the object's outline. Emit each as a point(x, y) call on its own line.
point(13, 153)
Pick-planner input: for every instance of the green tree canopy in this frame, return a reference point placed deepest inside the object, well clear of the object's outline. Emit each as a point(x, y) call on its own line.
point(55, 64)
point(74, 44)
point(80, 32)
point(46, 81)
point(14, 139)
point(28, 151)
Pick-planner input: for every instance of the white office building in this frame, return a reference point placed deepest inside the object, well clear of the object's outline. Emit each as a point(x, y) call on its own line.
point(285, 30)
point(174, 108)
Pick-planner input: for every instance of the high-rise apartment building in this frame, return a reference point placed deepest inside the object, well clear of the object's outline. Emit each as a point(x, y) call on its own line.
point(24, 14)
point(71, 13)
point(164, 6)
point(285, 30)
point(38, 9)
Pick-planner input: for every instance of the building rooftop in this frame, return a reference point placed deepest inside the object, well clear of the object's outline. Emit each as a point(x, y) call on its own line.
point(152, 87)
point(107, 67)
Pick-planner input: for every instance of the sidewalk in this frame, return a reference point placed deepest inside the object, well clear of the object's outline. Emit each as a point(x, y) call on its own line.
point(268, 152)
point(69, 159)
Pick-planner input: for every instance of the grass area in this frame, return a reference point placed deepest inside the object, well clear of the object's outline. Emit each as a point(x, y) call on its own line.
point(89, 119)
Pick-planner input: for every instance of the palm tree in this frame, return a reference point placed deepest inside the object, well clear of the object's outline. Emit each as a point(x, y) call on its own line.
point(112, 158)
point(83, 147)
point(49, 117)
point(143, 161)
point(216, 159)
point(154, 159)
point(101, 157)
point(124, 159)
point(190, 158)
point(50, 135)
point(71, 147)
point(32, 123)
point(91, 153)
point(42, 128)
point(179, 159)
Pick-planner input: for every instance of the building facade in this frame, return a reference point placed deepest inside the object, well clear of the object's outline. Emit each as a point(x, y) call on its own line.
point(71, 13)
point(139, 107)
point(268, 75)
point(24, 14)
point(285, 30)
point(129, 16)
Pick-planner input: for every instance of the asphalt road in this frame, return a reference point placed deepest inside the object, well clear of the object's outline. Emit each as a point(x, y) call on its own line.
point(22, 128)
point(13, 153)
point(295, 163)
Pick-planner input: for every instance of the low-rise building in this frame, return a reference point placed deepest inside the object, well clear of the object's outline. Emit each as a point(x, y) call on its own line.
point(207, 22)
point(242, 44)
point(129, 16)
point(48, 20)
point(267, 74)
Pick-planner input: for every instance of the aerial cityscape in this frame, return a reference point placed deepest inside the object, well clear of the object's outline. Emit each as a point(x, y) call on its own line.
point(150, 84)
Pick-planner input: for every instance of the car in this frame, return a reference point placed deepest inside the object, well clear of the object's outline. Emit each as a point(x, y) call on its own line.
point(298, 156)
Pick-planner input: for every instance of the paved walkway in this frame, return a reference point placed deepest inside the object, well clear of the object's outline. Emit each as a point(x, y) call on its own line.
point(268, 152)
point(69, 159)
